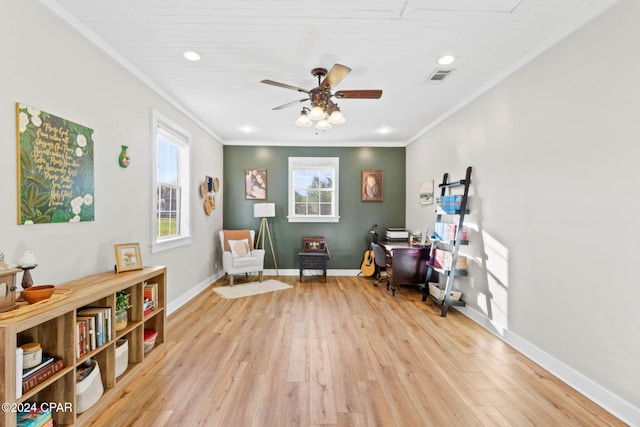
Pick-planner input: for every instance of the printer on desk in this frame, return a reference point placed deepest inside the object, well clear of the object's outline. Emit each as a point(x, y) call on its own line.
point(397, 235)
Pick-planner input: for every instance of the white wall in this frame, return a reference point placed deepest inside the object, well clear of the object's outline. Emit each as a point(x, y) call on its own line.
point(555, 150)
point(48, 65)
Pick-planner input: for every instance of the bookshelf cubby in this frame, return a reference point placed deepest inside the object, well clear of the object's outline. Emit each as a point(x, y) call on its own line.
point(54, 327)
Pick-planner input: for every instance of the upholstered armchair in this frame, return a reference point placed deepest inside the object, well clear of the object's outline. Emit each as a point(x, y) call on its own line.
point(239, 255)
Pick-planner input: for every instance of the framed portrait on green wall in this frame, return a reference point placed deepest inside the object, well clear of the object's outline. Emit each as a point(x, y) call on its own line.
point(372, 185)
point(255, 184)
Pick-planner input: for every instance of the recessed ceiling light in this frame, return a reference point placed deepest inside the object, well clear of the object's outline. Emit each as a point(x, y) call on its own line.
point(247, 128)
point(383, 130)
point(446, 60)
point(191, 55)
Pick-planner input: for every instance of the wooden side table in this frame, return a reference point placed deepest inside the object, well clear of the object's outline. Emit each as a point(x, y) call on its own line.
point(313, 261)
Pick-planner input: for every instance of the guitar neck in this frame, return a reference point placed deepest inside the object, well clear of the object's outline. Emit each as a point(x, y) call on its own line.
point(373, 234)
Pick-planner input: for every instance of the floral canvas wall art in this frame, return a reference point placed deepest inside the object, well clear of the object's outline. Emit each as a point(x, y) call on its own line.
point(55, 168)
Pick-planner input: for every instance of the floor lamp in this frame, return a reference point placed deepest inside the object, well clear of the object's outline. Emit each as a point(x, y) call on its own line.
point(264, 211)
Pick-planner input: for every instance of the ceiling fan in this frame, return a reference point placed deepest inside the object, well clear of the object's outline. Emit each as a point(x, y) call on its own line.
point(323, 109)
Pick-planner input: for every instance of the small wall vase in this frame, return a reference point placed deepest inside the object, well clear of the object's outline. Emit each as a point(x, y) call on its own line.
point(124, 158)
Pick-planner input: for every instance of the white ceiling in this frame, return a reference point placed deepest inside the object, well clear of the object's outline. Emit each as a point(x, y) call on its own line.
point(391, 45)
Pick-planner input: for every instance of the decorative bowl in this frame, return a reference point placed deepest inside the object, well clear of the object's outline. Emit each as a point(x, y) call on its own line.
point(35, 294)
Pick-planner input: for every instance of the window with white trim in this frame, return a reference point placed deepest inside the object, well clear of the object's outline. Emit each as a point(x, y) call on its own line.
point(313, 189)
point(171, 154)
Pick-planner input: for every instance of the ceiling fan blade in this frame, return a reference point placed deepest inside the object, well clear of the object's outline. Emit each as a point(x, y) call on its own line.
point(284, 85)
point(335, 76)
point(289, 104)
point(361, 94)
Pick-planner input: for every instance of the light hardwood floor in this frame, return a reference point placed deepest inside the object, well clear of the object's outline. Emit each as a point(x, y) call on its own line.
point(343, 353)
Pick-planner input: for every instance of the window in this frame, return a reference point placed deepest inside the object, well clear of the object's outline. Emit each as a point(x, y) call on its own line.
point(313, 189)
point(171, 163)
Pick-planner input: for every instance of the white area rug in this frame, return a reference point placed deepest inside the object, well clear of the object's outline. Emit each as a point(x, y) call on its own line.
point(253, 288)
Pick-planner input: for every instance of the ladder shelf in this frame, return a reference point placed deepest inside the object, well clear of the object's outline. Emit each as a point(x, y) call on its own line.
point(452, 205)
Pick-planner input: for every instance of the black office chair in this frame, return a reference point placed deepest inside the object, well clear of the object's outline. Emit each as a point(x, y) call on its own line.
point(380, 256)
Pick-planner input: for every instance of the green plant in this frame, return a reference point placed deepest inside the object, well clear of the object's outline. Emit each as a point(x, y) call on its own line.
point(122, 301)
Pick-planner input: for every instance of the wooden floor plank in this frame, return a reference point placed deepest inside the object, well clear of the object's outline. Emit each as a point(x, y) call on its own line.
point(271, 407)
point(298, 366)
point(377, 411)
point(322, 401)
point(344, 374)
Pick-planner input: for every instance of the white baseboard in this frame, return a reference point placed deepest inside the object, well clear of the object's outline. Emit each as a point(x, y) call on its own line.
point(296, 272)
point(192, 293)
point(611, 402)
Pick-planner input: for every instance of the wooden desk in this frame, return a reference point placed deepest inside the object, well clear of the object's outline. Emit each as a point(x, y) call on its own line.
point(408, 264)
point(313, 261)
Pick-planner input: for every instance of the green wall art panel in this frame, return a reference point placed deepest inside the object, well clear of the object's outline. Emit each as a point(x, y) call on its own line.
point(55, 168)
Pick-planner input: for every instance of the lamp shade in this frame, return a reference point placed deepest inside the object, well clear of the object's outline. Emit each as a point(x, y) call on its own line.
point(323, 124)
point(264, 210)
point(303, 120)
point(317, 113)
point(337, 117)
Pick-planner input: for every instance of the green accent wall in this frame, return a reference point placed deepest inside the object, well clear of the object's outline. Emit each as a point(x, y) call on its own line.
point(347, 239)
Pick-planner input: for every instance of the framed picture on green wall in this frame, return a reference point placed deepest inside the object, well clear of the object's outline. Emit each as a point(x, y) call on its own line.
point(255, 184)
point(372, 185)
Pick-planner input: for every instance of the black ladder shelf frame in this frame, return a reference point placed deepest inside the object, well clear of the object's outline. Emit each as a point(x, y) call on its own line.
point(451, 274)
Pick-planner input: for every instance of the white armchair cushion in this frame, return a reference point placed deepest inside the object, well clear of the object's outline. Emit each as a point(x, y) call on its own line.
point(239, 248)
point(247, 261)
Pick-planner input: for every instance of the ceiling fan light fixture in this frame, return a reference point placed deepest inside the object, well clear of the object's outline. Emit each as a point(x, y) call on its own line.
point(303, 119)
point(323, 110)
point(337, 117)
point(317, 113)
point(323, 124)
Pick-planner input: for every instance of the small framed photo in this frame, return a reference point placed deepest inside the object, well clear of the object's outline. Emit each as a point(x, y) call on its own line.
point(128, 257)
point(426, 192)
point(372, 185)
point(255, 184)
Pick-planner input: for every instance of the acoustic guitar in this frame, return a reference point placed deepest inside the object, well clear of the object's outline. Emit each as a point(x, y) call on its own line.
point(368, 267)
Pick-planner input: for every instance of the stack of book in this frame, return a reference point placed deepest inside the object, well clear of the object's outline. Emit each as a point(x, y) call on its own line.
point(93, 326)
point(451, 204)
point(39, 417)
point(443, 259)
point(150, 297)
point(447, 232)
point(397, 235)
point(31, 377)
